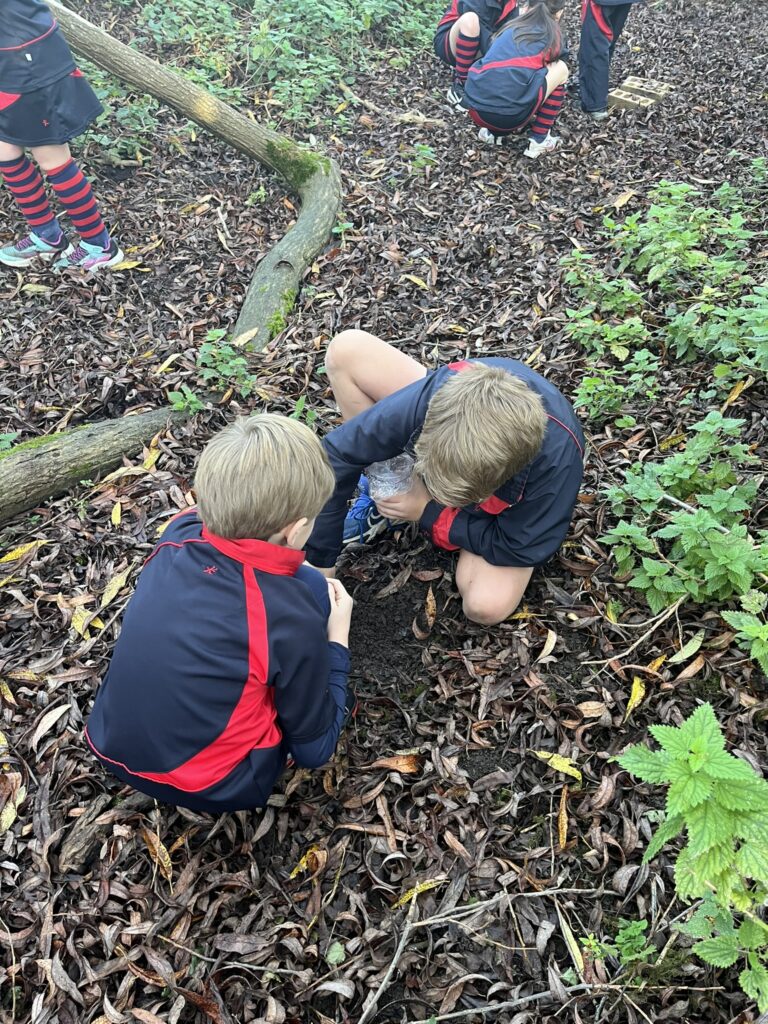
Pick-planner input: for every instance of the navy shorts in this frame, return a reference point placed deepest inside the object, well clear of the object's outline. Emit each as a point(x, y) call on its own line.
point(506, 124)
point(50, 116)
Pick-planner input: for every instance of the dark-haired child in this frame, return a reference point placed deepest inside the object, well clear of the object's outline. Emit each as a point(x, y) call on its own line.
point(44, 102)
point(601, 24)
point(520, 82)
point(466, 30)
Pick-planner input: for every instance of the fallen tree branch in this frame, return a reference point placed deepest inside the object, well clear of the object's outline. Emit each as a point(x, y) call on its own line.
point(373, 1002)
point(48, 466)
point(313, 177)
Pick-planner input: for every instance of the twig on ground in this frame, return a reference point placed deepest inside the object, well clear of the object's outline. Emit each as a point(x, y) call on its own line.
point(649, 632)
point(407, 118)
point(370, 1009)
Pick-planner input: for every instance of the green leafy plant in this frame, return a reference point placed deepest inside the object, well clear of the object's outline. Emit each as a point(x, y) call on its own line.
point(702, 550)
point(630, 945)
point(222, 366)
point(609, 390)
point(722, 805)
point(300, 411)
point(423, 157)
point(185, 400)
point(752, 630)
point(6, 440)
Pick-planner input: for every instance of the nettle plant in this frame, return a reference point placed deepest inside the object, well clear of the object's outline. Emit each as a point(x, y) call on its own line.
point(608, 390)
point(703, 552)
point(721, 803)
point(675, 279)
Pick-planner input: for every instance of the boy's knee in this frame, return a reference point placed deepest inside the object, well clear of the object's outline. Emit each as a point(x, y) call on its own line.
point(340, 350)
point(486, 609)
point(469, 24)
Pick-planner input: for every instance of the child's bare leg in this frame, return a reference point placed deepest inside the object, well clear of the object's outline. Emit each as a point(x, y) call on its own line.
point(50, 157)
point(464, 40)
point(10, 151)
point(468, 24)
point(557, 75)
point(363, 369)
point(490, 593)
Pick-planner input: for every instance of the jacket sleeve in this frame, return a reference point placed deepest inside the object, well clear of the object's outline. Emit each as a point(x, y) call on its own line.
point(379, 433)
point(310, 695)
point(525, 534)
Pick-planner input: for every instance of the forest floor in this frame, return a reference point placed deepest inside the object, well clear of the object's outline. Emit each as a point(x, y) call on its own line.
point(115, 909)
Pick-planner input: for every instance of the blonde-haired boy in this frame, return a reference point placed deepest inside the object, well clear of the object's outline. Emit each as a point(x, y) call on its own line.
point(232, 653)
point(498, 464)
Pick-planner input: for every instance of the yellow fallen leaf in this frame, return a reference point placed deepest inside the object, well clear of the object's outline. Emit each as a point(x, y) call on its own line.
point(11, 809)
point(162, 528)
point(9, 579)
point(417, 281)
point(127, 265)
point(736, 390)
point(570, 941)
point(80, 621)
point(304, 863)
point(562, 819)
point(152, 457)
point(97, 623)
point(116, 515)
point(168, 362)
point(342, 106)
point(623, 199)
point(670, 442)
point(558, 763)
point(114, 586)
point(159, 854)
point(656, 664)
point(7, 696)
point(636, 696)
point(421, 887)
point(22, 550)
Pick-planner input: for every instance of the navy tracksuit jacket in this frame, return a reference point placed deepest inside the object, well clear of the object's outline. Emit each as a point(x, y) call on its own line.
point(493, 15)
point(222, 668)
point(511, 79)
point(522, 524)
point(601, 24)
point(33, 52)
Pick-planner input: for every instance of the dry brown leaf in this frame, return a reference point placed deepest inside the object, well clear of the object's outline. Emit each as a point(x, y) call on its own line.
point(159, 854)
point(49, 719)
point(406, 764)
point(592, 708)
point(562, 819)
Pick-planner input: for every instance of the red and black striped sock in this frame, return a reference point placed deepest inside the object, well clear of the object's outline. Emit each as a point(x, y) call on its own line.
point(547, 113)
point(26, 186)
point(466, 54)
point(76, 196)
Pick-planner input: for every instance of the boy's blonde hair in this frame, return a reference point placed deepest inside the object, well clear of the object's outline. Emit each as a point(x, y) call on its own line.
point(259, 474)
point(482, 426)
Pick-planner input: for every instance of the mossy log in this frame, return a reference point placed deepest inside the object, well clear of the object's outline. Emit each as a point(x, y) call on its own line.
point(314, 178)
point(46, 467)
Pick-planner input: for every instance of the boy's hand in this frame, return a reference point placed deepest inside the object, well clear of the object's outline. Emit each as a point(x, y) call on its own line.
point(408, 506)
point(341, 613)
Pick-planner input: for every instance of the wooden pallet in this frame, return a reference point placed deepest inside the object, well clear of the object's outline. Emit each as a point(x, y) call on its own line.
point(638, 93)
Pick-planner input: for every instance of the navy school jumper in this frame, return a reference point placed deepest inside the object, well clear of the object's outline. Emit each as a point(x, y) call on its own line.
point(33, 52)
point(601, 24)
point(222, 668)
point(511, 79)
point(522, 524)
point(492, 14)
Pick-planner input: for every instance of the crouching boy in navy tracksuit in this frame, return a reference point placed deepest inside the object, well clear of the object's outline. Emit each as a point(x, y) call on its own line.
point(464, 31)
point(233, 654)
point(520, 82)
point(498, 466)
point(601, 24)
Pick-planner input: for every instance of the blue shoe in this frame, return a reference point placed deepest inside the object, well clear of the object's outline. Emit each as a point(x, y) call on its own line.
point(30, 248)
point(363, 521)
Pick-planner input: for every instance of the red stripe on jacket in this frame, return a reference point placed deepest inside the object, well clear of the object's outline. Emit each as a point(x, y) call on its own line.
point(441, 529)
point(31, 42)
point(536, 61)
point(252, 724)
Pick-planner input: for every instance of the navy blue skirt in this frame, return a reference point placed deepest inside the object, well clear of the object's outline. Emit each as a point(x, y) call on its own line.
point(50, 116)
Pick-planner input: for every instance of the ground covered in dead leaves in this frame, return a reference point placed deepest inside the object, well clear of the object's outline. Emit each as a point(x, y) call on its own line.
point(114, 909)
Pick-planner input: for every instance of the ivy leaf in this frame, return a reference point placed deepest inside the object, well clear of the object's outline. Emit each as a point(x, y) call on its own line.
point(648, 765)
point(720, 951)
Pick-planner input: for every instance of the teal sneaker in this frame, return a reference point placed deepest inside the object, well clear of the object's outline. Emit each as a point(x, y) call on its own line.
point(90, 258)
point(31, 248)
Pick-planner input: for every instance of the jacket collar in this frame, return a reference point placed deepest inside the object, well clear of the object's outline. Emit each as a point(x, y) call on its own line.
point(258, 554)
